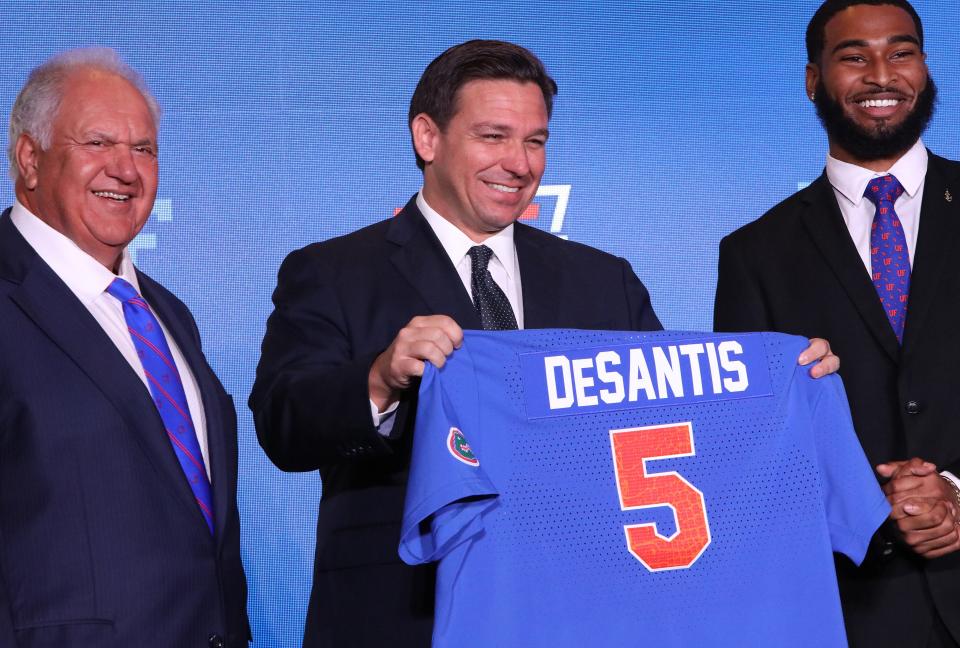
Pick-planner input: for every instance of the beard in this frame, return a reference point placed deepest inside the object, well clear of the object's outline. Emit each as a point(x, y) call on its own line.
point(882, 141)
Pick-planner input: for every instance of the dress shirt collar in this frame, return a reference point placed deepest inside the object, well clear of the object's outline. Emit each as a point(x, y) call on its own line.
point(456, 243)
point(852, 180)
point(85, 276)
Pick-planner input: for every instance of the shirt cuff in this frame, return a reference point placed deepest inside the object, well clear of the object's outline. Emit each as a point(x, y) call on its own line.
point(383, 421)
point(946, 474)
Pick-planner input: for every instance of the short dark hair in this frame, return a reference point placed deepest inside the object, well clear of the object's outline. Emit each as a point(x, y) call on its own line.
point(436, 93)
point(816, 30)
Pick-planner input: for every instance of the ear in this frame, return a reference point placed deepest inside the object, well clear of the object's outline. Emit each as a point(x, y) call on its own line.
point(27, 155)
point(425, 134)
point(813, 76)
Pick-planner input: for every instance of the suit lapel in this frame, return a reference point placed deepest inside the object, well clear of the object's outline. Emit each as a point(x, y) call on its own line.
point(824, 222)
point(210, 398)
point(939, 219)
point(541, 280)
point(422, 261)
point(47, 301)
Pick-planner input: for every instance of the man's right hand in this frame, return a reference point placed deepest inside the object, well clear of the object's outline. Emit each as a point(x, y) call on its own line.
point(425, 338)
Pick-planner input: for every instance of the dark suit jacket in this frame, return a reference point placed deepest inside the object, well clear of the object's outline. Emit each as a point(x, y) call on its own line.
point(796, 270)
point(101, 541)
point(338, 305)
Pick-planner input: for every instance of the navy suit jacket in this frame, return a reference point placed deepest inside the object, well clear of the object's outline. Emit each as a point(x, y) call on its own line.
point(101, 541)
point(796, 270)
point(339, 304)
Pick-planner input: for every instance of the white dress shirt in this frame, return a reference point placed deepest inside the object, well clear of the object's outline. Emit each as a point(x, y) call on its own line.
point(88, 280)
point(504, 267)
point(850, 181)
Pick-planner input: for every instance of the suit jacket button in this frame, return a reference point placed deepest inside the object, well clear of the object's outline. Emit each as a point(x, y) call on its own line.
point(215, 641)
point(912, 407)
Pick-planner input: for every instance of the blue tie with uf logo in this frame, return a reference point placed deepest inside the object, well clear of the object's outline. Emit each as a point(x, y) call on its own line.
point(889, 257)
point(166, 389)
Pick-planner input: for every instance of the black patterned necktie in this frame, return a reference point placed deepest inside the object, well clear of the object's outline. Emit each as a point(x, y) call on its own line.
point(491, 304)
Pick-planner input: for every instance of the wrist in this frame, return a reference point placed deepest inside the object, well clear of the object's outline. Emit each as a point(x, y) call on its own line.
point(380, 393)
point(955, 494)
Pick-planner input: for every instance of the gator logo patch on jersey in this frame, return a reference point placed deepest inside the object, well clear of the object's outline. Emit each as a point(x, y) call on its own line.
point(460, 449)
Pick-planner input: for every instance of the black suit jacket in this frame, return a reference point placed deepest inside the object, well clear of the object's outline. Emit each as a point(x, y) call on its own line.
point(101, 541)
point(339, 304)
point(796, 270)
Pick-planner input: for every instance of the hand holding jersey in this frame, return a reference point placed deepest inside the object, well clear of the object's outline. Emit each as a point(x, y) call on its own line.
point(425, 338)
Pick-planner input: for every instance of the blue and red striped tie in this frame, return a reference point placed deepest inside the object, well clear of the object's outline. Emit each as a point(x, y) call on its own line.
point(889, 256)
point(167, 390)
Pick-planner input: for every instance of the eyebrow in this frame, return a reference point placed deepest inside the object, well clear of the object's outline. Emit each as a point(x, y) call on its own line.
point(855, 42)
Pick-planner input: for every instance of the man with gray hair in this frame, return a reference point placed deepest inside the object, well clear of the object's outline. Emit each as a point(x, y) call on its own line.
point(118, 449)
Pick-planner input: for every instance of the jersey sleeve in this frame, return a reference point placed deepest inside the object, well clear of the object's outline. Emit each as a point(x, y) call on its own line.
point(855, 505)
point(448, 491)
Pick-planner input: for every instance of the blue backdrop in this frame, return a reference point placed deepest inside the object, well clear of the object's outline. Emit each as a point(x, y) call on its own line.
point(285, 123)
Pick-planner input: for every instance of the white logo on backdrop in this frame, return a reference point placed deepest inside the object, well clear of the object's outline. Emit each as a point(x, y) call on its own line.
point(562, 195)
point(162, 213)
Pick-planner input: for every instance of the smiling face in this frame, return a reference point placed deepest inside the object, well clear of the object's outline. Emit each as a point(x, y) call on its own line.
point(484, 168)
point(871, 85)
point(97, 181)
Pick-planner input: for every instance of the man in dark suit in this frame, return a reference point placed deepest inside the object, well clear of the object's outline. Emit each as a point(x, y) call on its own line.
point(356, 318)
point(834, 260)
point(118, 469)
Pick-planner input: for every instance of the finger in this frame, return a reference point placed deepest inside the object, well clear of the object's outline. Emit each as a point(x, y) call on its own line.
point(930, 486)
point(429, 335)
point(926, 527)
point(933, 487)
point(937, 553)
point(920, 516)
point(911, 508)
point(404, 370)
point(915, 467)
point(930, 539)
point(429, 351)
point(817, 349)
point(887, 469)
point(450, 329)
point(939, 542)
point(828, 364)
point(433, 321)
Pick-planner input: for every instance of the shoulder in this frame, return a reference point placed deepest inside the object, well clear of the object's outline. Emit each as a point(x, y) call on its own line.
point(348, 246)
point(781, 219)
point(154, 290)
point(341, 256)
point(950, 168)
point(576, 254)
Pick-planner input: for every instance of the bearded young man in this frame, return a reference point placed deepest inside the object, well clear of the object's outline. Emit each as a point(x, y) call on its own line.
point(861, 257)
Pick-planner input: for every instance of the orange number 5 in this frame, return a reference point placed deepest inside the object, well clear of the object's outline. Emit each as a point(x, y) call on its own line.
point(638, 489)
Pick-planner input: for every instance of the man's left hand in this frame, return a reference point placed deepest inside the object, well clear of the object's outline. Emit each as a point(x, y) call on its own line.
point(823, 360)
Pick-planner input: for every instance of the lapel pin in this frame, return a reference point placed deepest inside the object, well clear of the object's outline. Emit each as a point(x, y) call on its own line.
point(948, 196)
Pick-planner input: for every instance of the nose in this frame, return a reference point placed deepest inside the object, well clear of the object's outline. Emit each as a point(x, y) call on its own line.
point(516, 159)
point(121, 165)
point(880, 73)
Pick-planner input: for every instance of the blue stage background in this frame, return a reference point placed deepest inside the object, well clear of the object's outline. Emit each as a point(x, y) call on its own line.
point(285, 123)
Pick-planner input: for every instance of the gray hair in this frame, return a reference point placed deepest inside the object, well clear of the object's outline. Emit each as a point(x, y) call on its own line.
point(36, 106)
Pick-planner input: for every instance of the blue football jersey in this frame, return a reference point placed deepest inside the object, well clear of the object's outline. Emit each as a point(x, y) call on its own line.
point(586, 488)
